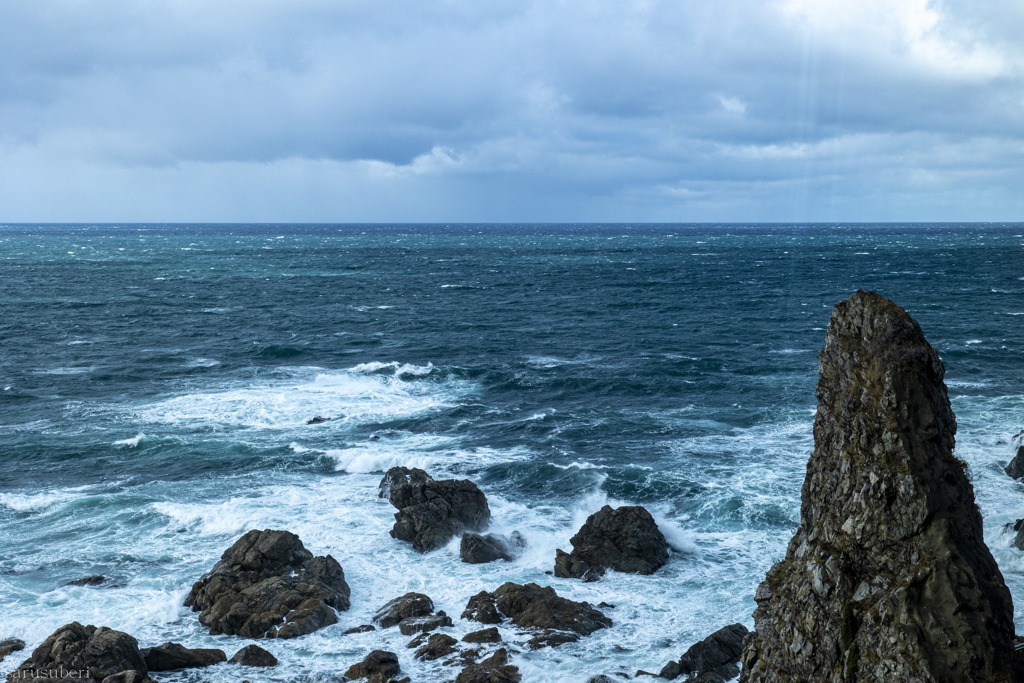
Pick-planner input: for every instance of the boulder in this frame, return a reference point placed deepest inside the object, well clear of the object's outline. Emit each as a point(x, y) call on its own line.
point(87, 581)
point(407, 606)
point(84, 652)
point(430, 513)
point(377, 663)
point(365, 628)
point(532, 606)
point(719, 653)
point(318, 420)
point(486, 635)
point(478, 549)
point(412, 625)
point(267, 585)
point(601, 678)
point(887, 577)
point(437, 646)
point(9, 646)
point(624, 539)
point(494, 669)
point(171, 656)
point(253, 655)
point(1016, 467)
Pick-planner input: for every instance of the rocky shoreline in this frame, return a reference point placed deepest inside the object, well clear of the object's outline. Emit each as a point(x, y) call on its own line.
point(887, 578)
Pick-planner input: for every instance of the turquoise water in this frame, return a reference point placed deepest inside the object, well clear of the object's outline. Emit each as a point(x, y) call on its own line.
point(155, 382)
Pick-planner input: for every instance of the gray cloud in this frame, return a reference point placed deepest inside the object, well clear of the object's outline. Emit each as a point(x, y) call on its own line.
point(457, 110)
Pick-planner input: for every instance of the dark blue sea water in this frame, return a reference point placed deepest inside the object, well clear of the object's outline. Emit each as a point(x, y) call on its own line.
point(155, 383)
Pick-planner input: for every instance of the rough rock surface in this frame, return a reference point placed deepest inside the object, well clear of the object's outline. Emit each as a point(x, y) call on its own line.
point(87, 581)
point(364, 628)
point(430, 513)
point(888, 577)
point(531, 606)
point(486, 635)
point(253, 655)
point(1016, 467)
point(9, 646)
point(412, 625)
point(268, 585)
point(171, 656)
point(494, 669)
point(377, 663)
point(437, 646)
point(130, 676)
point(479, 549)
point(91, 652)
point(719, 654)
point(625, 539)
point(408, 606)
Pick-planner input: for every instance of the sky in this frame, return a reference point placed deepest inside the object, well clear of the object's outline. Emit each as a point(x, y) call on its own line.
point(511, 110)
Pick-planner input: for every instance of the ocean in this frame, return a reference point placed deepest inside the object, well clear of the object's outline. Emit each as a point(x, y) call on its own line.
point(156, 381)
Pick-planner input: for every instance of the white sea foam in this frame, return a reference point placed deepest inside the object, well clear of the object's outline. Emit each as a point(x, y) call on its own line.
point(132, 442)
point(68, 370)
point(973, 341)
point(202, 363)
point(395, 368)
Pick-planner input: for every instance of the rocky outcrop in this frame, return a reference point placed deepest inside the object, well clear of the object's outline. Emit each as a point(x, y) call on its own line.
point(438, 645)
point(84, 653)
point(532, 606)
point(494, 669)
point(378, 664)
point(624, 539)
point(888, 577)
point(1016, 467)
point(267, 585)
point(87, 581)
point(716, 658)
point(9, 646)
point(172, 656)
point(478, 549)
point(486, 635)
point(253, 655)
point(408, 606)
point(412, 625)
point(430, 513)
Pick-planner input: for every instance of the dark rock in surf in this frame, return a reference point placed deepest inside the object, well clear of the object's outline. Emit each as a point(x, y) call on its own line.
point(479, 549)
point(253, 655)
point(408, 606)
point(531, 606)
point(87, 581)
point(431, 512)
point(625, 539)
point(9, 646)
point(412, 625)
point(130, 676)
point(91, 653)
point(437, 646)
point(173, 656)
point(888, 577)
point(267, 585)
point(378, 663)
point(494, 669)
point(486, 635)
point(365, 628)
point(318, 420)
point(1016, 467)
point(601, 678)
point(717, 656)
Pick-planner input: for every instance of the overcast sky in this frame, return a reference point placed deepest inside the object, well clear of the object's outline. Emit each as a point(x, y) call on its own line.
point(511, 110)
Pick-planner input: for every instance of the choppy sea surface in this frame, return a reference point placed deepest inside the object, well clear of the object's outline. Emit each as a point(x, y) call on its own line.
point(156, 381)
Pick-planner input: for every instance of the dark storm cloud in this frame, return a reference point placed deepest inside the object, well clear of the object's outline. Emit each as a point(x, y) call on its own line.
point(457, 110)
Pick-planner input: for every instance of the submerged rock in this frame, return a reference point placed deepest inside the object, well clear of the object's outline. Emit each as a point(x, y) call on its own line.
point(430, 513)
point(494, 669)
point(888, 577)
point(378, 663)
point(172, 656)
point(253, 655)
point(717, 656)
point(267, 585)
point(318, 420)
point(478, 549)
point(532, 606)
point(9, 646)
point(84, 653)
point(87, 581)
point(365, 628)
point(624, 539)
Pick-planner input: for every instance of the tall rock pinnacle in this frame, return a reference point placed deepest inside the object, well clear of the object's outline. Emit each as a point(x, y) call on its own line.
point(888, 577)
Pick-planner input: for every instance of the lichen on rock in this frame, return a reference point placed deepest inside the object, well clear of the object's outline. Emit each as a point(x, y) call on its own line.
point(888, 577)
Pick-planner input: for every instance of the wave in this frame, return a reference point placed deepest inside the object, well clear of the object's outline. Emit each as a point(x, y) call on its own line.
point(132, 442)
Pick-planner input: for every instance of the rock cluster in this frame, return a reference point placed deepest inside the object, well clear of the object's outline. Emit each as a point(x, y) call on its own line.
point(494, 669)
point(268, 585)
point(888, 577)
point(713, 660)
point(430, 513)
point(9, 646)
point(86, 653)
point(531, 606)
point(379, 666)
point(624, 539)
point(479, 549)
point(412, 613)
